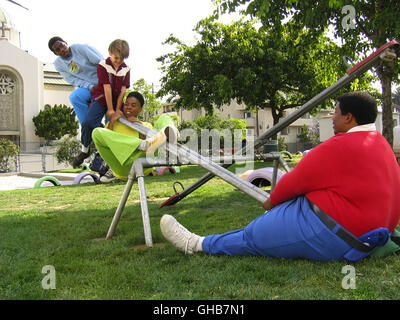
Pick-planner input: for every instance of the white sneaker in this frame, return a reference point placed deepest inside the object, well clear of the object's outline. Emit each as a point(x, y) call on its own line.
point(108, 177)
point(179, 236)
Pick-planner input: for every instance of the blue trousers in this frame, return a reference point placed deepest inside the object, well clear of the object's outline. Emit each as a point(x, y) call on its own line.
point(80, 98)
point(92, 121)
point(290, 230)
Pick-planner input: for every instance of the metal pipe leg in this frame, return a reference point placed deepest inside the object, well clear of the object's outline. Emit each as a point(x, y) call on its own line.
point(120, 208)
point(284, 164)
point(145, 212)
point(122, 203)
point(275, 174)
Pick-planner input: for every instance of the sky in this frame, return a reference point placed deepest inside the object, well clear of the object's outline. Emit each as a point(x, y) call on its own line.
point(145, 24)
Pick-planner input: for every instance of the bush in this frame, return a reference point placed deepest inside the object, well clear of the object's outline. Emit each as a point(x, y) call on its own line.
point(282, 145)
point(67, 150)
point(8, 152)
point(309, 134)
point(54, 123)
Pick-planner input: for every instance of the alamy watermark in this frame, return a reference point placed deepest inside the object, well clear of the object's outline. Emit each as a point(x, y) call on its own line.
point(49, 280)
point(220, 146)
point(349, 18)
point(349, 280)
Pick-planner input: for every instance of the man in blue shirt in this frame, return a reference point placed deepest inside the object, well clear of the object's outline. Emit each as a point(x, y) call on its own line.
point(77, 64)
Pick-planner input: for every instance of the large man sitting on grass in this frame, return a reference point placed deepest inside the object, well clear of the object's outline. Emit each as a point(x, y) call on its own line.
point(344, 190)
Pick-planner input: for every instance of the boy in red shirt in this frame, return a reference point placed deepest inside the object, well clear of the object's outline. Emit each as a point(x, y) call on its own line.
point(107, 98)
point(345, 188)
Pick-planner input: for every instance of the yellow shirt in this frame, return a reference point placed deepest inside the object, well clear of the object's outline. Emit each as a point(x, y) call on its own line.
point(124, 129)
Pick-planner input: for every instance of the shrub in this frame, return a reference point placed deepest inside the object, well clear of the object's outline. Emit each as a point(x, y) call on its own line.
point(67, 150)
point(282, 145)
point(309, 134)
point(54, 123)
point(8, 152)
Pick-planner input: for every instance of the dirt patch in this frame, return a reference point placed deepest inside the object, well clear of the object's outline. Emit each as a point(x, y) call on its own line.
point(60, 207)
point(145, 247)
point(103, 239)
point(151, 200)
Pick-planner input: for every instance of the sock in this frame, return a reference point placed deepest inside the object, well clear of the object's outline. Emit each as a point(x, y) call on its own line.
point(85, 149)
point(199, 245)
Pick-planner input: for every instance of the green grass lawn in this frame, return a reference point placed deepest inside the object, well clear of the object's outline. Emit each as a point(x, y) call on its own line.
point(63, 227)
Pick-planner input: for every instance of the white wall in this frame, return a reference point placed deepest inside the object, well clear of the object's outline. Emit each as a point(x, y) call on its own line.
point(396, 139)
point(30, 71)
point(54, 94)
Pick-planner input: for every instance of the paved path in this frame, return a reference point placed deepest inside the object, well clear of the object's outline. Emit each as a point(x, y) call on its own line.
point(28, 180)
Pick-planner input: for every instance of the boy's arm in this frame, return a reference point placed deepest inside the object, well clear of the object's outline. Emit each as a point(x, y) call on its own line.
point(108, 96)
point(114, 118)
point(121, 96)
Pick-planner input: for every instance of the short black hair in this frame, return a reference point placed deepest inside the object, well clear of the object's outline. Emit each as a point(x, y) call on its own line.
point(53, 40)
point(361, 105)
point(136, 95)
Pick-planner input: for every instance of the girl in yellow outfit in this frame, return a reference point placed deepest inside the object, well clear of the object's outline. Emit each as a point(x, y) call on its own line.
point(120, 145)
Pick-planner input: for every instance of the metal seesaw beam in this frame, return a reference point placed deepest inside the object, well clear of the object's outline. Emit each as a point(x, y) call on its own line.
point(351, 74)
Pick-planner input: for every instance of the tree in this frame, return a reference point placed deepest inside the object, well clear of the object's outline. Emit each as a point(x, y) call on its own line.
point(363, 26)
point(278, 68)
point(54, 123)
point(152, 105)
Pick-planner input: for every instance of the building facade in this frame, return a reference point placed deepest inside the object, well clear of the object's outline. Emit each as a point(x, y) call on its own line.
point(26, 86)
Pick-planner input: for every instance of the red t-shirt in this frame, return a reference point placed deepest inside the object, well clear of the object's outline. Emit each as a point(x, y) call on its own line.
point(353, 177)
point(116, 78)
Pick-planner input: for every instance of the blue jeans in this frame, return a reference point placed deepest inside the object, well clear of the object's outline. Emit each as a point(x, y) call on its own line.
point(290, 230)
point(80, 98)
point(92, 121)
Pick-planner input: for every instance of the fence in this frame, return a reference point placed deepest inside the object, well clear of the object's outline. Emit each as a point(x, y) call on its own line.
point(36, 157)
point(299, 146)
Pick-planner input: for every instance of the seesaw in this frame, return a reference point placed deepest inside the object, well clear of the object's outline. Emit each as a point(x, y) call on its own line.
point(181, 154)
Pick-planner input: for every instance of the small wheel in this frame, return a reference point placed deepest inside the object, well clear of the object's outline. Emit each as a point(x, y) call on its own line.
point(163, 169)
point(80, 176)
point(51, 179)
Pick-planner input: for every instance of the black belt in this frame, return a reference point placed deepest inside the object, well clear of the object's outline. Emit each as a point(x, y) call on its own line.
point(340, 232)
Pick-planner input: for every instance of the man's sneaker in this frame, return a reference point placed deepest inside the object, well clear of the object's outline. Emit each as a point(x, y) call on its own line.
point(179, 236)
point(79, 159)
point(108, 177)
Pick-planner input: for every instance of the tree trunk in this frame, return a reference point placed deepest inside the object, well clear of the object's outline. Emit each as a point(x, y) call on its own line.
point(257, 125)
point(385, 74)
point(275, 117)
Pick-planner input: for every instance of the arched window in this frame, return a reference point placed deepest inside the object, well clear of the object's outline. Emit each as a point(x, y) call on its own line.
point(9, 102)
point(7, 84)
